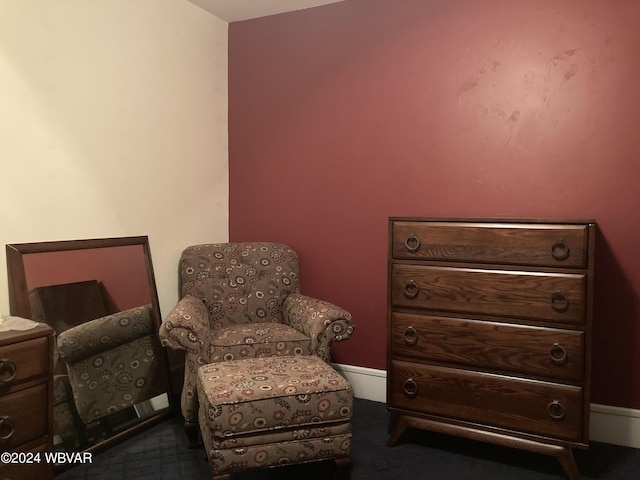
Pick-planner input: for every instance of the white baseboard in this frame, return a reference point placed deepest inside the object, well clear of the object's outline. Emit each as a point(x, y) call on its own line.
point(367, 383)
point(615, 425)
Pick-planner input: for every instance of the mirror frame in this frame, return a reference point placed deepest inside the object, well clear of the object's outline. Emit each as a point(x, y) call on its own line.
point(19, 306)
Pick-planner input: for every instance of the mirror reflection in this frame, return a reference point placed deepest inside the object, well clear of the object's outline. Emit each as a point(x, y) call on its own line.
point(110, 372)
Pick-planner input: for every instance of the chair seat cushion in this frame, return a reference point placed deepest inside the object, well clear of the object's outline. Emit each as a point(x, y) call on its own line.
point(253, 340)
point(268, 394)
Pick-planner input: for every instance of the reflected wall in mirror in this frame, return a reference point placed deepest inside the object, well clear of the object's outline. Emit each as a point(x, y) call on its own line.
point(111, 376)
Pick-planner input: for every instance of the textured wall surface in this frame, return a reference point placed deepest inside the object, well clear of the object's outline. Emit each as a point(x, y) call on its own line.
point(344, 115)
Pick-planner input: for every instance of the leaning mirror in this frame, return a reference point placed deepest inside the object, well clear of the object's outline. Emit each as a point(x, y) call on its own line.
point(110, 374)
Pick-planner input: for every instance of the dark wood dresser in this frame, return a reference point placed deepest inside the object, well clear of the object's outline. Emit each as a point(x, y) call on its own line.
point(26, 402)
point(489, 331)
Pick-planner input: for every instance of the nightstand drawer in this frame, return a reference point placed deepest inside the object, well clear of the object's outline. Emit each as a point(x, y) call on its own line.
point(23, 416)
point(550, 245)
point(37, 470)
point(23, 361)
point(555, 297)
point(502, 401)
point(523, 349)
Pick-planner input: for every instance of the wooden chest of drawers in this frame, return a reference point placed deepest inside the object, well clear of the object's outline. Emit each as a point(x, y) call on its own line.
point(26, 401)
point(489, 331)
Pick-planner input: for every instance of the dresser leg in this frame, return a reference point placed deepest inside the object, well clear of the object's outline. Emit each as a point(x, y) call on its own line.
point(402, 423)
point(565, 457)
point(563, 454)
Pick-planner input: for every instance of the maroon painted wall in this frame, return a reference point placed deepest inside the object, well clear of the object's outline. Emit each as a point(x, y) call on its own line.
point(344, 115)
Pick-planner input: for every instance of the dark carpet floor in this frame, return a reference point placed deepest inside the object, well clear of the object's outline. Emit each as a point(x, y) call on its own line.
point(161, 453)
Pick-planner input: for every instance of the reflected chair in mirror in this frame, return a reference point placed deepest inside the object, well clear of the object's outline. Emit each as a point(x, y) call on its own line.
point(241, 301)
point(64, 306)
point(113, 363)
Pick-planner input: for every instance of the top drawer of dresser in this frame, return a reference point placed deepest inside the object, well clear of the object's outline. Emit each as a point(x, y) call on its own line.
point(23, 361)
point(544, 245)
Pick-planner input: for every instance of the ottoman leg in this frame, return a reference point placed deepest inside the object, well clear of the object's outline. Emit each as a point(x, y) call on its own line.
point(343, 465)
point(192, 429)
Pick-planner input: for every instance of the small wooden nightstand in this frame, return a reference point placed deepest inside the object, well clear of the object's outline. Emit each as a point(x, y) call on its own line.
point(26, 401)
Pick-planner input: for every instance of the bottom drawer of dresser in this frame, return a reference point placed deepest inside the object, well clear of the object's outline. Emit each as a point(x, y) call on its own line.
point(38, 469)
point(531, 406)
point(24, 416)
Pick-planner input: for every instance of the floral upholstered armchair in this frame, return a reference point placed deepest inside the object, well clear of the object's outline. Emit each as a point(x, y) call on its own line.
point(242, 300)
point(113, 362)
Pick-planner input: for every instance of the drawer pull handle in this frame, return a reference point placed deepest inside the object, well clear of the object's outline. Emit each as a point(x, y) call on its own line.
point(410, 387)
point(8, 371)
point(558, 354)
point(410, 336)
point(560, 250)
point(559, 302)
point(6, 428)
point(556, 410)
point(412, 243)
point(411, 289)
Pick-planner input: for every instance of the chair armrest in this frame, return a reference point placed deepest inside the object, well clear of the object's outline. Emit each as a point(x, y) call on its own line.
point(187, 326)
point(322, 321)
point(102, 334)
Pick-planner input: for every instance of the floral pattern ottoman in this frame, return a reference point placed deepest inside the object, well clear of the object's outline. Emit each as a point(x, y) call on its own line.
point(265, 412)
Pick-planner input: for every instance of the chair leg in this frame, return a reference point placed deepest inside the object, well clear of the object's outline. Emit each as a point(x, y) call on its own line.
point(192, 429)
point(343, 466)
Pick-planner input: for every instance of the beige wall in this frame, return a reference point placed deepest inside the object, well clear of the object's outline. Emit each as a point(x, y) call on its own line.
point(113, 122)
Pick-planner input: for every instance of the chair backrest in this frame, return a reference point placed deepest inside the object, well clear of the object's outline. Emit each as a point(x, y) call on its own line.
point(240, 282)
